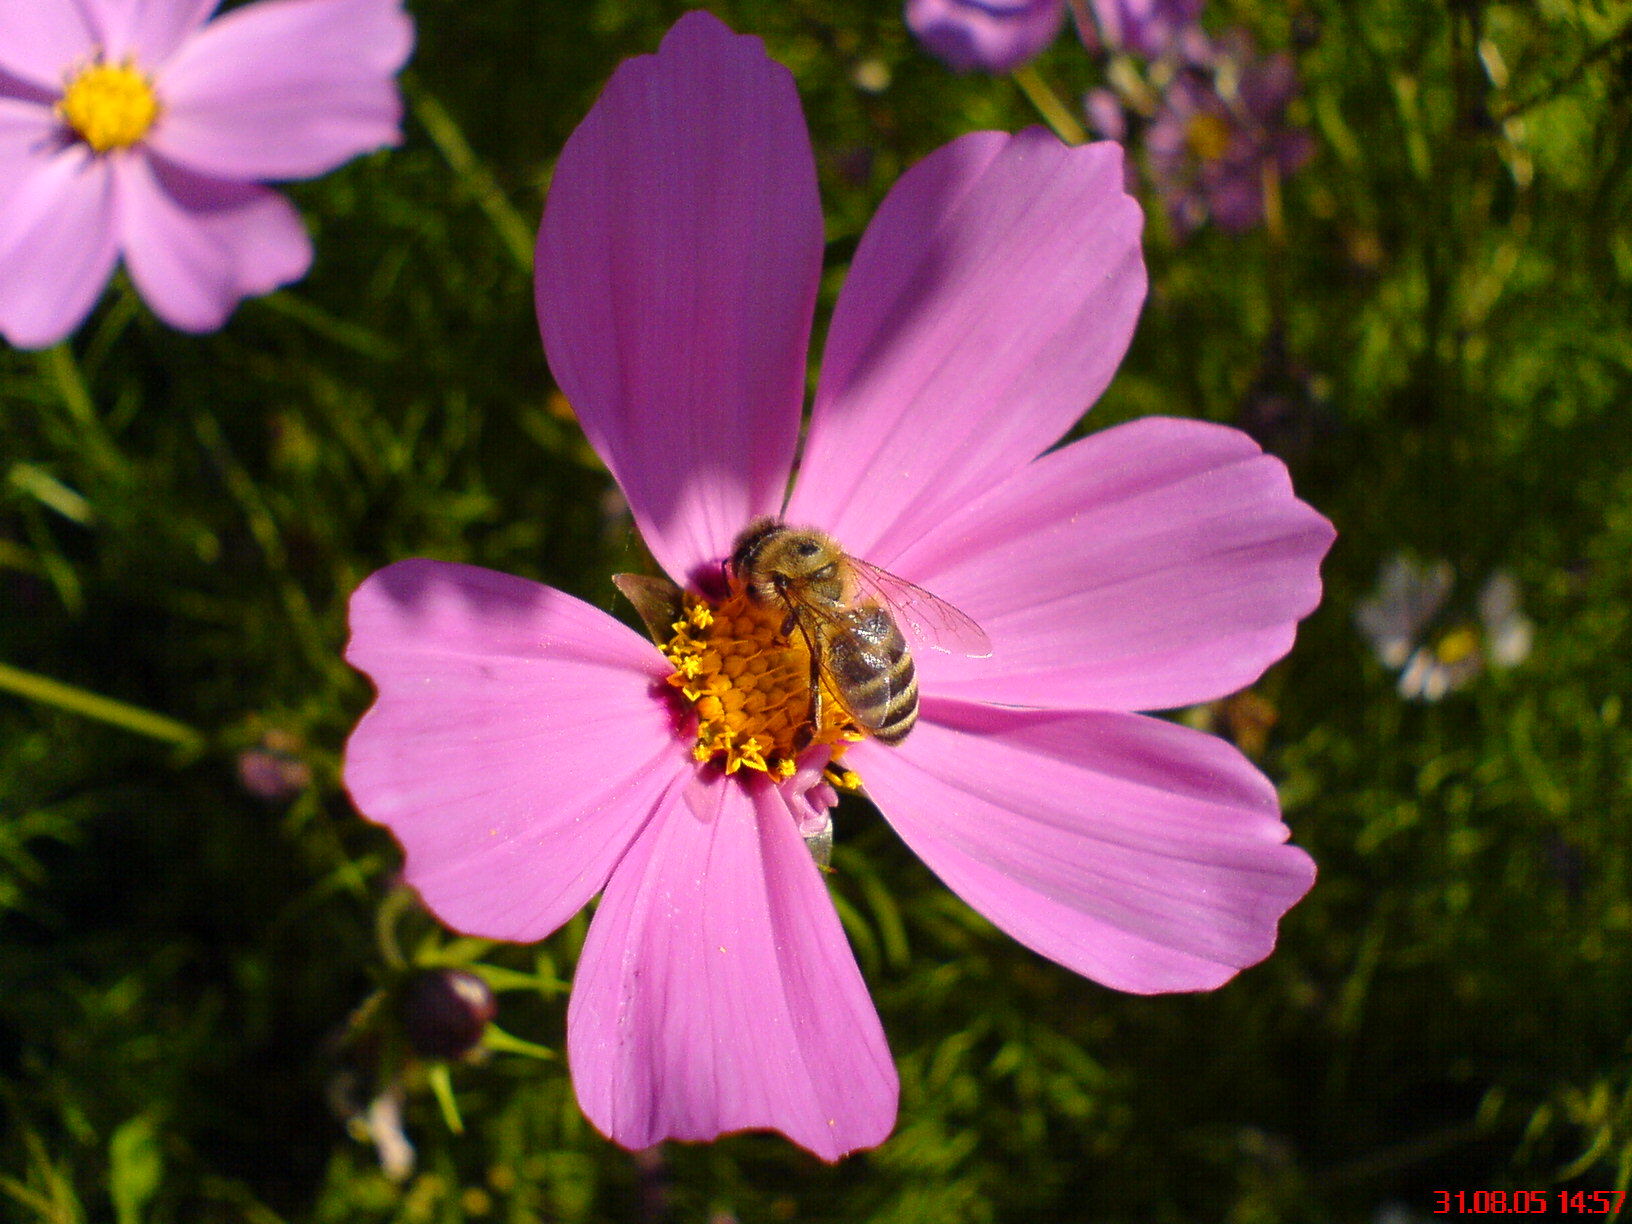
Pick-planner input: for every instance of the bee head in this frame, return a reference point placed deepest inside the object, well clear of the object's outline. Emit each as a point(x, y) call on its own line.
point(770, 556)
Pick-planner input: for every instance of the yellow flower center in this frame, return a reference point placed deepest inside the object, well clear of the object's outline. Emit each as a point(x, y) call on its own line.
point(749, 685)
point(1459, 644)
point(110, 106)
point(1208, 136)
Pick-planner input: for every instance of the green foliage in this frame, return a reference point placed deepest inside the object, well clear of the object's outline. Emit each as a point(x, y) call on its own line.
point(189, 973)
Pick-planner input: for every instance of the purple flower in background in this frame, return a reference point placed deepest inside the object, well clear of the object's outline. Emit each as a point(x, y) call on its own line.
point(1220, 133)
point(137, 131)
point(991, 35)
point(1151, 28)
point(274, 769)
point(1105, 114)
point(529, 752)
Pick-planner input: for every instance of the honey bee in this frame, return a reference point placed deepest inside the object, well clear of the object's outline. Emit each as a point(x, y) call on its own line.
point(850, 615)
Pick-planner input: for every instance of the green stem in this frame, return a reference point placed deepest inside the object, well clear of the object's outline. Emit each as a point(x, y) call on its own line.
point(104, 709)
point(1610, 46)
point(387, 914)
point(76, 397)
point(495, 1038)
point(516, 234)
point(1054, 112)
point(263, 526)
point(340, 331)
point(442, 1088)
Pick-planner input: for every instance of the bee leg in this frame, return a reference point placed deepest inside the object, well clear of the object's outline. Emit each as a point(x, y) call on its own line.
point(805, 734)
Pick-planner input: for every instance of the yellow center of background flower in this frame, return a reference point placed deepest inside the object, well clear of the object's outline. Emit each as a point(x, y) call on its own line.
point(110, 106)
point(1459, 644)
point(750, 687)
point(1208, 137)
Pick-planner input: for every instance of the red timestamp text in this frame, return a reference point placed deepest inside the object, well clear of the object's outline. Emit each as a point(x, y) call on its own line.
point(1528, 1202)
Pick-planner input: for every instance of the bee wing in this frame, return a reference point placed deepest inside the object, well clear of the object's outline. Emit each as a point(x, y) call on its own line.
point(925, 619)
point(862, 643)
point(828, 630)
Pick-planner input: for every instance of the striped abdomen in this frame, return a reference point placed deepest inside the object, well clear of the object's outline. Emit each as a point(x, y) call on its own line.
point(867, 663)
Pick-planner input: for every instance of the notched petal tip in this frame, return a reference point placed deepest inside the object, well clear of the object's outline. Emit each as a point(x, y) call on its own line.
point(1145, 855)
point(197, 246)
point(677, 269)
point(285, 90)
point(514, 748)
point(699, 27)
point(58, 240)
point(1153, 565)
point(716, 992)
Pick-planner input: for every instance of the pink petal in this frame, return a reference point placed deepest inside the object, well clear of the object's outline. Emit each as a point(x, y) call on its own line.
point(197, 246)
point(516, 747)
point(988, 306)
point(1143, 854)
point(1157, 564)
point(40, 42)
point(30, 140)
point(149, 30)
point(285, 89)
point(677, 271)
point(57, 230)
point(716, 991)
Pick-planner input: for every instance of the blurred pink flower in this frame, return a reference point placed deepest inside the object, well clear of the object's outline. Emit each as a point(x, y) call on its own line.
point(991, 35)
point(529, 752)
point(135, 131)
point(1001, 35)
point(1221, 132)
point(274, 769)
point(1145, 27)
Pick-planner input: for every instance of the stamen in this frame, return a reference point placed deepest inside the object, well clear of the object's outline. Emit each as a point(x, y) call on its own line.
point(109, 106)
point(749, 685)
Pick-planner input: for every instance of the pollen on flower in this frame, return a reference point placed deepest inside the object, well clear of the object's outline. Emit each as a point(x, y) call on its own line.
point(109, 106)
point(749, 685)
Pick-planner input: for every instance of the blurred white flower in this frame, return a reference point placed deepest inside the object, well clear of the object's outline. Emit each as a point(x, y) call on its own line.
point(1400, 623)
point(1410, 593)
point(1508, 632)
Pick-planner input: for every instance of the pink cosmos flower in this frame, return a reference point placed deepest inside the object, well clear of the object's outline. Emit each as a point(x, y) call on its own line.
point(1001, 35)
point(1150, 28)
point(529, 752)
point(991, 35)
point(131, 129)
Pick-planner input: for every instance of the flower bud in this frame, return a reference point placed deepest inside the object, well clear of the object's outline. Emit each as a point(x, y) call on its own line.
point(444, 1012)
